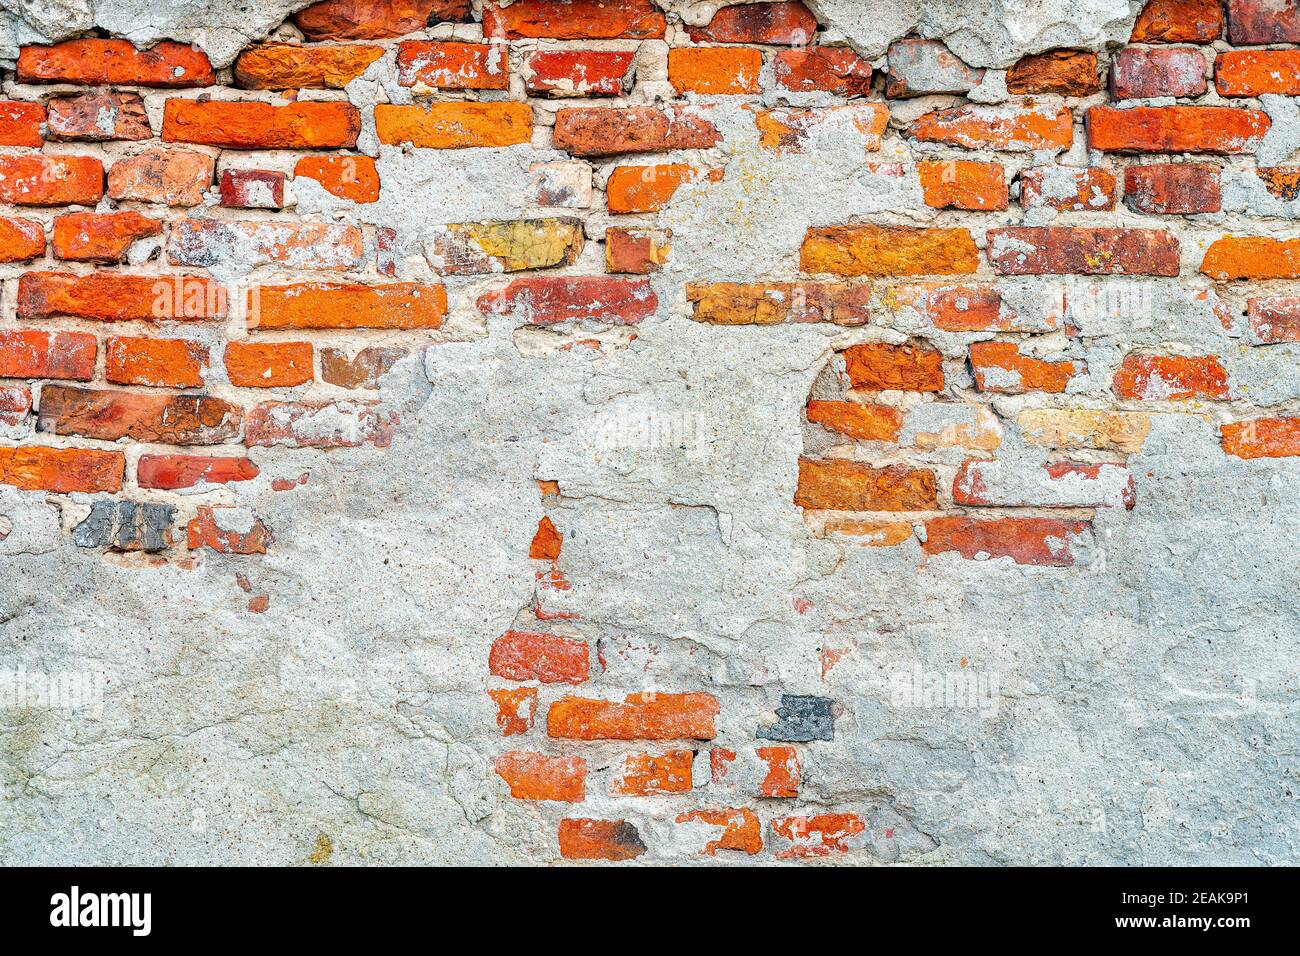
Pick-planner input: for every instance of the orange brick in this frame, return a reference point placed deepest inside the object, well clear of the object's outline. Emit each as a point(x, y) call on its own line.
point(20, 124)
point(1252, 257)
point(819, 836)
point(863, 422)
point(51, 180)
point(252, 125)
point(636, 251)
point(62, 470)
point(1179, 21)
point(321, 305)
point(1063, 72)
point(837, 484)
point(516, 709)
point(958, 184)
point(268, 364)
point(644, 716)
point(285, 66)
point(635, 189)
point(101, 237)
point(548, 658)
point(113, 297)
point(1009, 127)
point(1176, 129)
point(766, 303)
point(1171, 378)
point(362, 370)
point(174, 177)
point(877, 366)
point(643, 775)
point(228, 531)
point(1001, 367)
point(376, 19)
point(741, 829)
point(566, 73)
point(115, 63)
point(714, 70)
point(573, 20)
point(454, 125)
point(1262, 438)
point(453, 66)
point(1257, 72)
point(21, 240)
point(782, 780)
point(348, 177)
point(1067, 190)
point(614, 840)
point(888, 251)
point(539, 777)
point(837, 70)
point(170, 472)
point(28, 353)
point(164, 363)
point(546, 542)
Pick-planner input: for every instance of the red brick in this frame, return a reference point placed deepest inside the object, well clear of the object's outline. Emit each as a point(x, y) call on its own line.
point(363, 370)
point(1257, 72)
point(1041, 541)
point(818, 836)
point(573, 20)
point(51, 180)
point(62, 470)
point(546, 542)
point(782, 779)
point(636, 251)
point(348, 177)
point(1274, 318)
point(172, 472)
point(539, 777)
point(282, 66)
point(516, 709)
point(113, 297)
point(252, 189)
point(28, 353)
point(376, 19)
point(454, 125)
point(561, 73)
point(1263, 21)
point(1171, 378)
point(1002, 367)
point(1063, 72)
point(960, 184)
point(1008, 127)
point(1067, 189)
point(1179, 21)
point(712, 71)
point(1176, 129)
point(1262, 438)
point(613, 131)
point(838, 484)
point(1252, 257)
point(823, 69)
point(101, 237)
point(21, 240)
point(115, 63)
point(614, 840)
point(741, 829)
point(173, 177)
point(551, 300)
point(163, 363)
point(268, 364)
point(300, 245)
point(1172, 188)
point(788, 23)
point(767, 303)
point(1064, 250)
point(878, 366)
point(644, 775)
point(325, 305)
point(857, 420)
point(549, 658)
point(341, 424)
point(1137, 72)
point(453, 66)
point(20, 123)
point(643, 716)
point(228, 531)
point(98, 117)
point(252, 125)
point(110, 415)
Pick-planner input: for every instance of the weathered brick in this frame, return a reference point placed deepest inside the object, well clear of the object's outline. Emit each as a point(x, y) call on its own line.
point(794, 130)
point(98, 117)
point(1179, 21)
point(548, 301)
point(323, 305)
point(51, 180)
point(712, 71)
point(741, 829)
point(253, 125)
point(110, 415)
point(785, 23)
point(1067, 189)
point(1009, 127)
point(1172, 188)
point(818, 836)
point(1263, 21)
point(173, 177)
point(1280, 181)
point(1063, 72)
point(513, 245)
point(636, 251)
point(114, 297)
point(564, 73)
point(857, 420)
point(613, 131)
point(878, 366)
point(62, 470)
point(28, 353)
point(268, 364)
point(454, 125)
point(211, 242)
point(547, 541)
point(644, 775)
point(126, 526)
point(228, 531)
point(172, 472)
point(888, 251)
point(20, 124)
point(640, 189)
point(614, 840)
point(435, 65)
point(291, 66)
point(1257, 72)
point(1063, 250)
point(1252, 257)
point(937, 425)
point(115, 63)
point(1049, 542)
point(782, 779)
point(162, 363)
point(533, 776)
point(823, 69)
point(925, 68)
point(1157, 378)
point(1137, 72)
point(15, 405)
point(1274, 318)
point(1176, 129)
point(841, 485)
point(319, 425)
point(962, 308)
point(643, 716)
point(252, 189)
point(564, 184)
point(376, 19)
point(961, 184)
point(1262, 438)
point(1059, 484)
point(363, 370)
point(800, 718)
point(101, 237)
point(768, 303)
point(1002, 367)
point(549, 658)
point(573, 20)
point(347, 177)
point(1085, 428)
point(516, 709)
point(21, 240)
